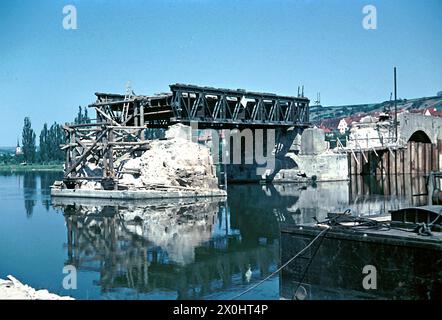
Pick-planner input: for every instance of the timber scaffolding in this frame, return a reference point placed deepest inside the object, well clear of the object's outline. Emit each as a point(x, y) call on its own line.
point(118, 132)
point(392, 156)
point(414, 158)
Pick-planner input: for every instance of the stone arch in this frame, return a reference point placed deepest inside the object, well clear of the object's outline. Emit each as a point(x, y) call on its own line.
point(419, 136)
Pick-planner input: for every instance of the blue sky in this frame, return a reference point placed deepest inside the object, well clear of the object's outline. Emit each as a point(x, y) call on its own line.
point(272, 46)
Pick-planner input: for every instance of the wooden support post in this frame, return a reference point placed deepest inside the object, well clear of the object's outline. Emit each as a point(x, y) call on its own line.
point(428, 147)
point(68, 151)
point(412, 156)
point(401, 161)
point(419, 158)
point(434, 157)
point(438, 155)
point(136, 119)
point(142, 115)
point(349, 165)
point(388, 162)
point(110, 153)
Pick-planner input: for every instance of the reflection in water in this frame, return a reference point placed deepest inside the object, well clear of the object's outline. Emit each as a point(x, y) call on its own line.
point(382, 193)
point(46, 180)
point(182, 246)
point(29, 192)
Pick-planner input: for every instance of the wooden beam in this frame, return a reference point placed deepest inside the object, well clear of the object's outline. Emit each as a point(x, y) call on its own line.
point(85, 154)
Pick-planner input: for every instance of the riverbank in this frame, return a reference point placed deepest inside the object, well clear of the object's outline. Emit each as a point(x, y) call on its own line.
point(31, 167)
point(12, 289)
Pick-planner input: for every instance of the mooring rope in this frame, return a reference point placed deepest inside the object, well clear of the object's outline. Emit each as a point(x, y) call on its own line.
point(283, 266)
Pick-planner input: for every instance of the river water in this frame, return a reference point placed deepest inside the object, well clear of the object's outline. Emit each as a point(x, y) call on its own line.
point(174, 249)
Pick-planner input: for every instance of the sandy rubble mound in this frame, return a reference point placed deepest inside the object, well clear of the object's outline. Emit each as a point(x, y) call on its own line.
point(174, 162)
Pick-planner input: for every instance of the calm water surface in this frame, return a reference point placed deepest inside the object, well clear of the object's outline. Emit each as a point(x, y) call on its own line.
point(166, 249)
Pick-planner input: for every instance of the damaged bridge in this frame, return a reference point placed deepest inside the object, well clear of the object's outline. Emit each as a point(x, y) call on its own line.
point(210, 107)
point(97, 151)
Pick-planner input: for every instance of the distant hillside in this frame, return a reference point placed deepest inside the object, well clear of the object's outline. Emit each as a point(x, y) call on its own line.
point(6, 150)
point(318, 113)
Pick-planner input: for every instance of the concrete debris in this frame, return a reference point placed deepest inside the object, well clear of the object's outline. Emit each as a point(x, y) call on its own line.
point(313, 142)
point(12, 289)
point(369, 133)
point(174, 162)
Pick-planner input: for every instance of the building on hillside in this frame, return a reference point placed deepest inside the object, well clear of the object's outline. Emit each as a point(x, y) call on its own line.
point(331, 124)
point(433, 111)
point(343, 126)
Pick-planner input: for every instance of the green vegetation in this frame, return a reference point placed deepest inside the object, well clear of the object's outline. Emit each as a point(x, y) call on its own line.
point(50, 141)
point(28, 140)
point(48, 155)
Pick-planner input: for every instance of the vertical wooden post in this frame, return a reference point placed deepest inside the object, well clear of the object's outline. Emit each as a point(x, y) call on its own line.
point(136, 119)
point(110, 153)
point(349, 164)
point(434, 157)
point(104, 153)
point(68, 151)
point(418, 157)
point(438, 156)
point(412, 156)
point(428, 158)
point(142, 121)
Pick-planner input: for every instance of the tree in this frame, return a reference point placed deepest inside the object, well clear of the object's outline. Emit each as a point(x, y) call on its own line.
point(44, 154)
point(82, 117)
point(28, 141)
point(86, 118)
point(79, 118)
point(56, 138)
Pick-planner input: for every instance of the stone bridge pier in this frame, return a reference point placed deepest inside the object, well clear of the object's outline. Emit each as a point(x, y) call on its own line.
point(267, 158)
point(282, 155)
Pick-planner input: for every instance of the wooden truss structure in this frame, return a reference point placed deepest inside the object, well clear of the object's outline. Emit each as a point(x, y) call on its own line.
point(100, 145)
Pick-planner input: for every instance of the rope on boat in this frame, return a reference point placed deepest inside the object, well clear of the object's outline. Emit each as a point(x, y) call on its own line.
point(322, 233)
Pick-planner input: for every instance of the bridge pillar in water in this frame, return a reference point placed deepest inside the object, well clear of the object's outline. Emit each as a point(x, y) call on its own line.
point(262, 153)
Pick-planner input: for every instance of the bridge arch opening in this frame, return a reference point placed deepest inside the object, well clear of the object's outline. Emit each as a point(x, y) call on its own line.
point(419, 136)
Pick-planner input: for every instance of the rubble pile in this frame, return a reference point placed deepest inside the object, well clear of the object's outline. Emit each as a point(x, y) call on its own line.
point(14, 289)
point(173, 162)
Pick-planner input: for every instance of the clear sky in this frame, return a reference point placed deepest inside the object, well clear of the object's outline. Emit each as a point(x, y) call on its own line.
point(46, 72)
